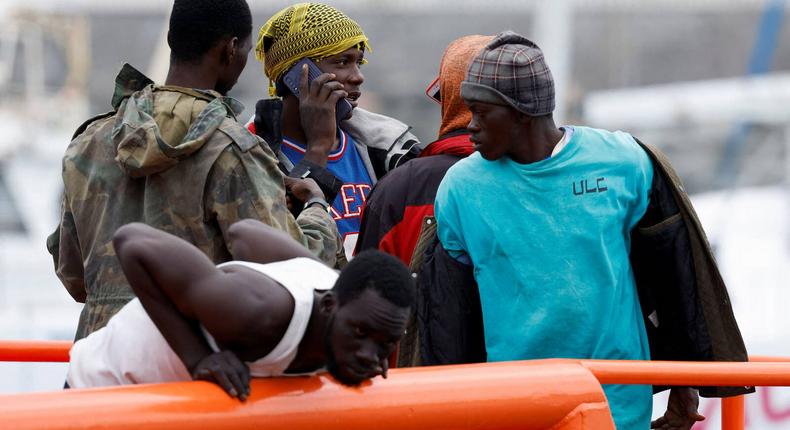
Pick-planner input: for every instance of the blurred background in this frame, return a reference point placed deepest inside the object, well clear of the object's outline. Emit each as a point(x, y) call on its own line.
point(707, 81)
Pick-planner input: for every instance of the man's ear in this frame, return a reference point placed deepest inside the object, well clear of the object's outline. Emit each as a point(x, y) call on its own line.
point(328, 303)
point(230, 50)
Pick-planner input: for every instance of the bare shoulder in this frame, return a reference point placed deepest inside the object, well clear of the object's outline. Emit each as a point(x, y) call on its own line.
point(255, 311)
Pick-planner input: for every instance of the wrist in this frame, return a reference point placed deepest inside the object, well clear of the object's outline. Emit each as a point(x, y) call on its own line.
point(192, 363)
point(318, 150)
point(329, 184)
point(318, 201)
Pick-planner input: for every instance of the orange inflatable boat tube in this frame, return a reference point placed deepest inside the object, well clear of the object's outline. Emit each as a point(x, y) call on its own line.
point(524, 395)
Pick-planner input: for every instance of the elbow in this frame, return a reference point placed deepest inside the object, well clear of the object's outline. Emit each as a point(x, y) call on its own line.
point(237, 244)
point(235, 232)
point(130, 240)
point(240, 229)
point(242, 236)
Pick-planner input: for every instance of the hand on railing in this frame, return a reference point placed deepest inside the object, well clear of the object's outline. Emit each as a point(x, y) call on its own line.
point(226, 370)
point(681, 411)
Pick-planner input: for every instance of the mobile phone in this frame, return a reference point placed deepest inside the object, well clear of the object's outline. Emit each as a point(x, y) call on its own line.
point(433, 91)
point(294, 75)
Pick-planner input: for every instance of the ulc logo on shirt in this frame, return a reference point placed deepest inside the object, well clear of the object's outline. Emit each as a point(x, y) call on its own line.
point(585, 186)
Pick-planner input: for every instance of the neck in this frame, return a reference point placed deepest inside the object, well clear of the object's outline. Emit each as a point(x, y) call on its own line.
point(198, 76)
point(311, 354)
point(537, 140)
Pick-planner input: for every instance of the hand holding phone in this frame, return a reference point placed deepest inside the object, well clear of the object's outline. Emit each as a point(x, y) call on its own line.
point(293, 80)
point(318, 111)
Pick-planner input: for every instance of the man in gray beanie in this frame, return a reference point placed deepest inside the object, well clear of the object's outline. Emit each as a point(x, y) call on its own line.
point(545, 215)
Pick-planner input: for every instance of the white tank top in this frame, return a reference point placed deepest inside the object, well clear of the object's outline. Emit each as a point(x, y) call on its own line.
point(131, 350)
point(300, 276)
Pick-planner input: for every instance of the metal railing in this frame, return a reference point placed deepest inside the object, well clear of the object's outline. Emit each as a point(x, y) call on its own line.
point(44, 351)
point(530, 393)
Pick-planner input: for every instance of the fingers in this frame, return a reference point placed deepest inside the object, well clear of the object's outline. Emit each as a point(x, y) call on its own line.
point(303, 82)
point(239, 385)
point(304, 189)
point(690, 400)
point(323, 79)
point(238, 374)
point(694, 416)
point(312, 189)
point(227, 381)
point(385, 364)
point(294, 188)
point(227, 371)
point(289, 182)
point(309, 182)
point(326, 88)
point(212, 373)
point(674, 423)
point(336, 96)
point(289, 203)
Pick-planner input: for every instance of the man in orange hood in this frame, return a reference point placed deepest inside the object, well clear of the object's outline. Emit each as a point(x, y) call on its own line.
point(396, 209)
point(399, 215)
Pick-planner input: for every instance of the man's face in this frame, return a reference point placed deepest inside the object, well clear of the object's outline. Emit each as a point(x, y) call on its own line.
point(361, 336)
point(346, 67)
point(231, 74)
point(493, 129)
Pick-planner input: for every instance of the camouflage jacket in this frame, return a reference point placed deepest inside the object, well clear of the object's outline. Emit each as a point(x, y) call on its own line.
point(175, 159)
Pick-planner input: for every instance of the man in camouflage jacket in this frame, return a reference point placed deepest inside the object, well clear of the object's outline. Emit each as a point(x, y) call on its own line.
point(174, 158)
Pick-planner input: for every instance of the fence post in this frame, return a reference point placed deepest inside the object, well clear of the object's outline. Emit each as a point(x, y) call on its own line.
point(732, 413)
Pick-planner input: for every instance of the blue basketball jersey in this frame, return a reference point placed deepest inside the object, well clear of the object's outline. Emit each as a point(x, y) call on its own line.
point(345, 163)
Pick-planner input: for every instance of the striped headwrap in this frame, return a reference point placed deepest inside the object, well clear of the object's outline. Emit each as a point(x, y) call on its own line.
point(311, 30)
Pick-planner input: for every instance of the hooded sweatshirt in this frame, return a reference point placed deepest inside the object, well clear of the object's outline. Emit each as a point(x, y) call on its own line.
point(176, 159)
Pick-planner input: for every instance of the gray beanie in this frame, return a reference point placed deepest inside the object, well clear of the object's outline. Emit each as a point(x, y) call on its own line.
point(511, 71)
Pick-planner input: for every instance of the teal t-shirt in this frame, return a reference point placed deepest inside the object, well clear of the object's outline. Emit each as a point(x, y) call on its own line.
point(550, 244)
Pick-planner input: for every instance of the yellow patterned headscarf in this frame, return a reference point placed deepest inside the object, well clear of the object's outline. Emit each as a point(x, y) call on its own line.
point(311, 30)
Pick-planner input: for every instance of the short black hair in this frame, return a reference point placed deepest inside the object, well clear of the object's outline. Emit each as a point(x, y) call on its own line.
point(197, 25)
point(380, 272)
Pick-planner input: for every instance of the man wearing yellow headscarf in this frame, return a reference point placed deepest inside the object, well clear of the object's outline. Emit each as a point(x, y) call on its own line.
point(344, 158)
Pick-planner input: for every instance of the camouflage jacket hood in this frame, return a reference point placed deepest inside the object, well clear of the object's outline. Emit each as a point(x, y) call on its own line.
point(143, 146)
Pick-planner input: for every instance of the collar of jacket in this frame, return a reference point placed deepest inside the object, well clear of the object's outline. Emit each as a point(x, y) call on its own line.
point(131, 80)
point(374, 130)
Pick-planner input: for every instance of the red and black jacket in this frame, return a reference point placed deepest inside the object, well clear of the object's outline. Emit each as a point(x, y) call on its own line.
point(398, 204)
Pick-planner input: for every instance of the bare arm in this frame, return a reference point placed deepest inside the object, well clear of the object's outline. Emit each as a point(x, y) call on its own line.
point(179, 287)
point(252, 240)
